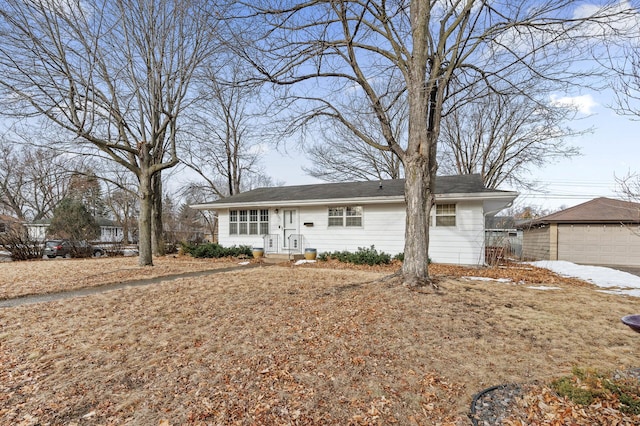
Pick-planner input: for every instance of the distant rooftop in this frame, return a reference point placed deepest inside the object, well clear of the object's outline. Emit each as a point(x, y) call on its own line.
point(598, 210)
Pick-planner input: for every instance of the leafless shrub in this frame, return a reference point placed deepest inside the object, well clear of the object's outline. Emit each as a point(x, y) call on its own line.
point(16, 241)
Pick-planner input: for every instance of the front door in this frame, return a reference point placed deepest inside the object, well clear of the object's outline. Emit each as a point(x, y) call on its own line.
point(291, 235)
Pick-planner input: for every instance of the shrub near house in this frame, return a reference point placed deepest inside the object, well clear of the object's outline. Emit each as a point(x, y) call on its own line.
point(214, 250)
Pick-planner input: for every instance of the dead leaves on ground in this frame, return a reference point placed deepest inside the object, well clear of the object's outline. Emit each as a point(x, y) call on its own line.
point(51, 276)
point(275, 346)
point(542, 406)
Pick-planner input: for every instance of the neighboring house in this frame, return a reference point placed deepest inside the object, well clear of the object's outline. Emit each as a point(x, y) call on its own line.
point(346, 216)
point(602, 231)
point(110, 232)
point(38, 229)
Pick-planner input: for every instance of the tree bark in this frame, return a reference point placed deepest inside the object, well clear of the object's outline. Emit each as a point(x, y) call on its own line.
point(157, 226)
point(419, 198)
point(144, 220)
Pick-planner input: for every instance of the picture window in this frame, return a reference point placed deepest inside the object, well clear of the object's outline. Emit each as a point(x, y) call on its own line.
point(249, 222)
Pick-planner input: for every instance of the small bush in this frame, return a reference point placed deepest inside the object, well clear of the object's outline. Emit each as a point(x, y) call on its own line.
point(586, 386)
point(364, 256)
point(567, 387)
point(16, 241)
point(214, 250)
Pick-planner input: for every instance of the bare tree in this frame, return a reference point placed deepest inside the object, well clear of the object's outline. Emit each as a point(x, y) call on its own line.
point(184, 223)
point(624, 62)
point(503, 136)
point(207, 218)
point(226, 146)
point(33, 181)
point(122, 202)
point(623, 59)
point(115, 74)
point(325, 49)
point(340, 155)
point(629, 187)
point(500, 135)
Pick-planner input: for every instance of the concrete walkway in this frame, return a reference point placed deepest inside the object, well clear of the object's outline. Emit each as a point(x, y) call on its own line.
point(87, 291)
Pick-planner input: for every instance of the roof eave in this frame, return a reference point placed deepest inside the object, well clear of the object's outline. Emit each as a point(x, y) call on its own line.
point(587, 222)
point(301, 203)
point(477, 196)
point(362, 200)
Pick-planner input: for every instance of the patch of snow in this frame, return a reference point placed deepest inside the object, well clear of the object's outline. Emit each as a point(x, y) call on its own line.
point(500, 280)
point(598, 275)
point(543, 287)
point(634, 292)
point(303, 261)
point(244, 263)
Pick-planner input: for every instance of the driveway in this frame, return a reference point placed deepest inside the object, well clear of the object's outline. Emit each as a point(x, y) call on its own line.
point(635, 270)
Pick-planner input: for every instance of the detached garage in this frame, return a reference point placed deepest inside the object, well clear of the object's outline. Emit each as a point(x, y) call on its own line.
point(602, 231)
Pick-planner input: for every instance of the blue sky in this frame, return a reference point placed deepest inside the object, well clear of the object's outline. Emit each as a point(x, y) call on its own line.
point(611, 149)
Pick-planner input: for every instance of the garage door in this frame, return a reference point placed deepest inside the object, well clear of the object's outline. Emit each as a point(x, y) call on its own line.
point(599, 244)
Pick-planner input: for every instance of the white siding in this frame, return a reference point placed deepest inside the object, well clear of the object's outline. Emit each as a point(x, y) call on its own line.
point(108, 234)
point(462, 244)
point(382, 226)
point(111, 234)
point(37, 232)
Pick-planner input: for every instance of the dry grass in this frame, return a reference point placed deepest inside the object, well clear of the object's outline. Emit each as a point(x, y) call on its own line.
point(280, 345)
point(50, 276)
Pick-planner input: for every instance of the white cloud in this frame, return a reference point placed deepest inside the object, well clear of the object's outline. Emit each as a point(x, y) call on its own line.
point(584, 103)
point(67, 8)
point(619, 19)
point(615, 21)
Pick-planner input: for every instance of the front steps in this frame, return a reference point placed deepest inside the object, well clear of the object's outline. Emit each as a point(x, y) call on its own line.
point(281, 257)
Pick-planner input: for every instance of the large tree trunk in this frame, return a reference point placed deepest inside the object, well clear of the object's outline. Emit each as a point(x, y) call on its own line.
point(419, 158)
point(144, 220)
point(419, 198)
point(125, 228)
point(157, 227)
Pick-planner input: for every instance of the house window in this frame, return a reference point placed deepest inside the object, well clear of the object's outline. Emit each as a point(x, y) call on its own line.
point(248, 222)
point(345, 216)
point(445, 215)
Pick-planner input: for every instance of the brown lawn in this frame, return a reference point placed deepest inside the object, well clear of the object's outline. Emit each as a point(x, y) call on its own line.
point(50, 276)
point(281, 345)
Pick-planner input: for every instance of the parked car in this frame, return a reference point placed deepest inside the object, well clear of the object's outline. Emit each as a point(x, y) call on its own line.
point(66, 248)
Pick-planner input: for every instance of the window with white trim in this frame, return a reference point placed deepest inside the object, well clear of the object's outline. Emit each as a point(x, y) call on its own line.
point(345, 216)
point(445, 215)
point(249, 222)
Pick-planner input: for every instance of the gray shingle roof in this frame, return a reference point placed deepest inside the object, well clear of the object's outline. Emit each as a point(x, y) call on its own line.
point(458, 184)
point(598, 210)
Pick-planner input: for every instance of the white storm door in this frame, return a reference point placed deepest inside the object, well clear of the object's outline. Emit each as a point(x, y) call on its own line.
point(290, 226)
